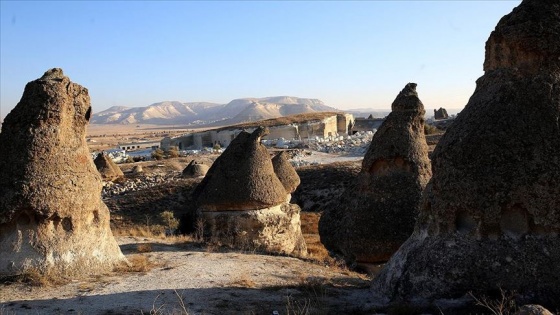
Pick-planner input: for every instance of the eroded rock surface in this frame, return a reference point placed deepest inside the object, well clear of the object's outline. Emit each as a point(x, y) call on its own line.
point(491, 213)
point(441, 113)
point(286, 172)
point(108, 170)
point(243, 203)
point(52, 217)
point(376, 214)
point(195, 169)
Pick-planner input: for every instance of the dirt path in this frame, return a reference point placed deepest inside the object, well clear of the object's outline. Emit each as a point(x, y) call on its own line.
point(190, 278)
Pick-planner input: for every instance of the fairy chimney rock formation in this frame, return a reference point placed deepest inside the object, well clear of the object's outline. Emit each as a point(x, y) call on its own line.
point(108, 170)
point(195, 169)
point(286, 172)
point(376, 214)
point(243, 203)
point(440, 113)
point(491, 213)
point(52, 217)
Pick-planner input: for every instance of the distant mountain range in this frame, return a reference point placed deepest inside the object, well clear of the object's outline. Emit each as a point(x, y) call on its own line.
point(236, 111)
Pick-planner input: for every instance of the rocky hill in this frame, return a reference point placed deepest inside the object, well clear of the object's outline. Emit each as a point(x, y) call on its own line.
point(236, 111)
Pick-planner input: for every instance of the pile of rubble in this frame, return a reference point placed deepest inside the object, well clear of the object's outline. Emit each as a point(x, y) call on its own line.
point(111, 189)
point(356, 144)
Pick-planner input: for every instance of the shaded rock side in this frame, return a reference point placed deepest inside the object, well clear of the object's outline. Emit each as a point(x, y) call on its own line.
point(108, 170)
point(286, 172)
point(52, 217)
point(440, 113)
point(195, 169)
point(276, 229)
point(241, 178)
point(491, 213)
point(376, 214)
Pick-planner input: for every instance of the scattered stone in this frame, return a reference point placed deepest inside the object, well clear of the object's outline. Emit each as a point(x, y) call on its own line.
point(376, 214)
point(52, 218)
point(137, 169)
point(108, 170)
point(244, 204)
point(195, 169)
point(491, 213)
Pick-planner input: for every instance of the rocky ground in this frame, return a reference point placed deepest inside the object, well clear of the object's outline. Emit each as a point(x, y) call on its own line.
point(179, 275)
point(185, 278)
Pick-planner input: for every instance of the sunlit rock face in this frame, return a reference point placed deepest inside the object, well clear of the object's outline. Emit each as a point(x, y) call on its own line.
point(243, 203)
point(376, 214)
point(52, 217)
point(491, 212)
point(108, 170)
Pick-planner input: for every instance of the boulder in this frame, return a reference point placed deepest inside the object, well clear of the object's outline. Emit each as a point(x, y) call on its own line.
point(532, 309)
point(195, 169)
point(441, 113)
point(243, 203)
point(377, 212)
point(52, 218)
point(491, 213)
point(137, 169)
point(108, 170)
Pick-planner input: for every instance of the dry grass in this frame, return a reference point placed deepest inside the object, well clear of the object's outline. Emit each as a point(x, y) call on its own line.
point(136, 263)
point(151, 231)
point(317, 252)
point(36, 278)
point(243, 280)
point(144, 247)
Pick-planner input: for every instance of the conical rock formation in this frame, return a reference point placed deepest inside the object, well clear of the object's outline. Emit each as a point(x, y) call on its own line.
point(244, 204)
point(52, 217)
point(242, 177)
point(195, 169)
point(491, 213)
point(108, 170)
point(376, 214)
point(286, 172)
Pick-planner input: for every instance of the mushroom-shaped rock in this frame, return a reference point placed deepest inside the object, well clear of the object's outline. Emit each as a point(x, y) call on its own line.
point(286, 172)
point(376, 214)
point(108, 170)
point(242, 177)
point(195, 169)
point(491, 213)
point(243, 203)
point(52, 217)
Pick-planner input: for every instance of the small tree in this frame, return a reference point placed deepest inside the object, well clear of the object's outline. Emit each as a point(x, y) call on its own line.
point(173, 152)
point(169, 220)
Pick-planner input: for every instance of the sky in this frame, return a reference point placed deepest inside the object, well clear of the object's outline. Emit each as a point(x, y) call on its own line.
point(349, 54)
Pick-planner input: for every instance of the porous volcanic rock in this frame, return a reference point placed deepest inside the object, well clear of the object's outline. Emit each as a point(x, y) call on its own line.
point(491, 213)
point(376, 213)
point(108, 170)
point(195, 169)
point(52, 217)
point(286, 172)
point(441, 113)
point(242, 177)
point(244, 204)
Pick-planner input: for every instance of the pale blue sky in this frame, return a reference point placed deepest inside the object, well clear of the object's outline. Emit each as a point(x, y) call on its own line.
point(348, 54)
